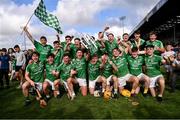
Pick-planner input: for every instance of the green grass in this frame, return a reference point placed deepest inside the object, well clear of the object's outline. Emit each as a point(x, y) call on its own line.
point(12, 100)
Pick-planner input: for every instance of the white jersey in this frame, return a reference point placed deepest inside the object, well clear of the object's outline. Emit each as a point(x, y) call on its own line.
point(20, 58)
point(168, 53)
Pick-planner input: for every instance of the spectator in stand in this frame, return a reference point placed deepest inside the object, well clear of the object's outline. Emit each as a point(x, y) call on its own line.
point(176, 70)
point(166, 55)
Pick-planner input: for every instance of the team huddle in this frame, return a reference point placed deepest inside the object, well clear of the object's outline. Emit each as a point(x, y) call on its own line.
point(114, 64)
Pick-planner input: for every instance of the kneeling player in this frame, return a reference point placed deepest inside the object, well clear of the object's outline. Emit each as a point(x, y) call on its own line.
point(34, 75)
point(135, 63)
point(51, 77)
point(152, 63)
point(94, 74)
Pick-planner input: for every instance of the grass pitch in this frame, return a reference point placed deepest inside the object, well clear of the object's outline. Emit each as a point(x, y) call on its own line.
point(12, 100)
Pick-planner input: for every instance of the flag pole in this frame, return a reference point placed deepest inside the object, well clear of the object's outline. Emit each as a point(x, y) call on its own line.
point(24, 41)
point(27, 23)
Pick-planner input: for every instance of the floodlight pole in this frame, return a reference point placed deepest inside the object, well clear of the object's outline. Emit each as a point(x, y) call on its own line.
point(122, 18)
point(24, 41)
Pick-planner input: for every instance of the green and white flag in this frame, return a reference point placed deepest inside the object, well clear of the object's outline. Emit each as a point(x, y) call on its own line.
point(47, 18)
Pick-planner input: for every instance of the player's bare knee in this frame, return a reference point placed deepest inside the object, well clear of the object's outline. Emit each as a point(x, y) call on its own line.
point(25, 85)
point(56, 82)
point(161, 81)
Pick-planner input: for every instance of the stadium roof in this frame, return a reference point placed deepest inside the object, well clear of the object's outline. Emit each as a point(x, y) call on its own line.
point(163, 18)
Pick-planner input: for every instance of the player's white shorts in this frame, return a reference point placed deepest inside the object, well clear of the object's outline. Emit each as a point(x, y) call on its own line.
point(93, 82)
point(82, 82)
point(51, 83)
point(153, 80)
point(141, 76)
point(38, 85)
point(122, 80)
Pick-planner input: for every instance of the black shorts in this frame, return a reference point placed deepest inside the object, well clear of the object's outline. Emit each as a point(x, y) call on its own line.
point(17, 68)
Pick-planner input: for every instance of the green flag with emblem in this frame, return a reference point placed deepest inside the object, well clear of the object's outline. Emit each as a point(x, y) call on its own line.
point(47, 18)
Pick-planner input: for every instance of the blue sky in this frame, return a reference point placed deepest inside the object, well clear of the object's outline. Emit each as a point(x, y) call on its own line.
point(75, 16)
point(50, 4)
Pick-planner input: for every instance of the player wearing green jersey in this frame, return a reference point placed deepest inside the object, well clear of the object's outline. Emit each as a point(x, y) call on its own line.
point(122, 72)
point(42, 48)
point(125, 44)
point(34, 75)
point(100, 43)
point(68, 45)
point(158, 45)
point(107, 67)
point(58, 52)
point(51, 79)
point(77, 45)
point(94, 74)
point(64, 71)
point(138, 42)
point(79, 70)
point(152, 63)
point(135, 63)
point(111, 43)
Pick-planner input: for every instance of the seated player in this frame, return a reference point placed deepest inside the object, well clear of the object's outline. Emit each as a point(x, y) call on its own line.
point(153, 63)
point(120, 61)
point(79, 71)
point(64, 71)
point(94, 74)
point(107, 67)
point(51, 79)
point(34, 75)
point(135, 63)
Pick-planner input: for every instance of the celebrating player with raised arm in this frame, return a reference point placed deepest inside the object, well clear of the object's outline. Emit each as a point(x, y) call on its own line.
point(42, 48)
point(58, 52)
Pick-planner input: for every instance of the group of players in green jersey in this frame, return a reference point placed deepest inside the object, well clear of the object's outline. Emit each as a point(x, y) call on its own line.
point(115, 63)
